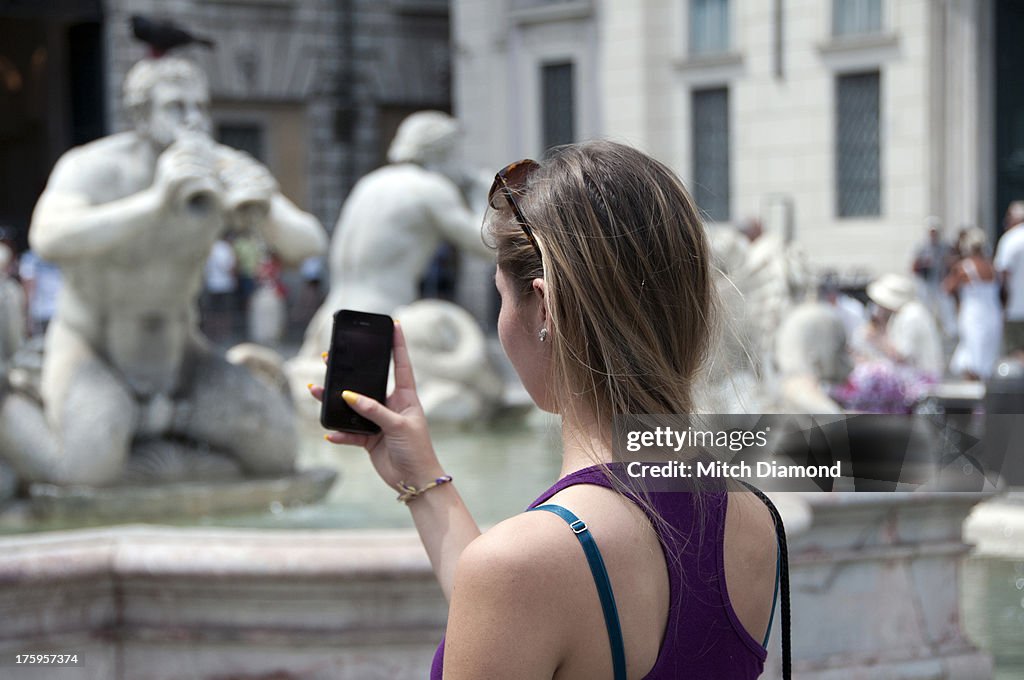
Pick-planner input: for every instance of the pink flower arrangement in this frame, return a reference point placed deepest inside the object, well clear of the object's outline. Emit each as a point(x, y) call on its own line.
point(882, 387)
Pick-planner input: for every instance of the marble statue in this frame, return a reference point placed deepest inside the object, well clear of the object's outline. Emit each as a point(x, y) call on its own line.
point(447, 350)
point(757, 283)
point(390, 226)
point(810, 352)
point(393, 221)
point(130, 220)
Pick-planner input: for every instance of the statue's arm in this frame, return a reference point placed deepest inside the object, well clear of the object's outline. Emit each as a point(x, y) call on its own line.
point(457, 223)
point(292, 233)
point(68, 224)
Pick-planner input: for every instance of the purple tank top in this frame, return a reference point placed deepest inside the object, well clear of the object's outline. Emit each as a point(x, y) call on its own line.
point(703, 638)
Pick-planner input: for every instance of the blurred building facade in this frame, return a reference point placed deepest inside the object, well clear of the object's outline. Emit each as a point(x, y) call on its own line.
point(313, 88)
point(843, 123)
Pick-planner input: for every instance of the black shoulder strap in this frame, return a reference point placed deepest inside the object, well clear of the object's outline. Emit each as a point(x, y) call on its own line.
point(780, 532)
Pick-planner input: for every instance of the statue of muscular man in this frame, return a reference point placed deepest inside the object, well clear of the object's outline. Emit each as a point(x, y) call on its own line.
point(130, 219)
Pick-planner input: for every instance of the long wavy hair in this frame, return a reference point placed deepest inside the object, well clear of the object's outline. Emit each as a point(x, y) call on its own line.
point(628, 277)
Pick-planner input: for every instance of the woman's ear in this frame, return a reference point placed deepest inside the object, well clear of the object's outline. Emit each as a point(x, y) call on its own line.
point(539, 294)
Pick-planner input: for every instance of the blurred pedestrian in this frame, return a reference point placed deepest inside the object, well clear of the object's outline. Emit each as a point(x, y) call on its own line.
point(12, 311)
point(980, 322)
point(220, 285)
point(268, 312)
point(1009, 262)
point(912, 337)
point(868, 342)
point(8, 241)
point(932, 260)
point(311, 294)
point(248, 254)
point(850, 311)
point(42, 281)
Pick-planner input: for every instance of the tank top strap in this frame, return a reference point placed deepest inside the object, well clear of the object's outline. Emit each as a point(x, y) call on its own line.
point(590, 475)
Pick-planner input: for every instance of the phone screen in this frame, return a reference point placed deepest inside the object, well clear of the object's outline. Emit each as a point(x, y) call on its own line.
point(358, 360)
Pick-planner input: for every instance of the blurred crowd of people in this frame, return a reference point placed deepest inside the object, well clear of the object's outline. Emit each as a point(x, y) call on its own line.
point(40, 284)
point(953, 315)
point(957, 312)
point(245, 296)
point(976, 296)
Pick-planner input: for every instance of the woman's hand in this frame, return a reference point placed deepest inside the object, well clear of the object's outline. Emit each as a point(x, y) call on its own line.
point(402, 450)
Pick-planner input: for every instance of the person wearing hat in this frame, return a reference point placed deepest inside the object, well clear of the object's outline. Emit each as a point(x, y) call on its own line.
point(913, 337)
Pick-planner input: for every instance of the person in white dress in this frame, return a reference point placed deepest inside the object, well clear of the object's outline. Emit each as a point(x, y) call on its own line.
point(973, 280)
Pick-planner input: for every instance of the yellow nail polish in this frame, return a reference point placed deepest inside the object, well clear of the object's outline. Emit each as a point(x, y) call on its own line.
point(350, 397)
point(397, 322)
point(309, 386)
point(327, 437)
point(323, 355)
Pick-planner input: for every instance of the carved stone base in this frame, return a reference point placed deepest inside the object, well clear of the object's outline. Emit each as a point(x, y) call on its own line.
point(875, 586)
point(166, 604)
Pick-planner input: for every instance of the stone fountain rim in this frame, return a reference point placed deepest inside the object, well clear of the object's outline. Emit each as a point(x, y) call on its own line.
point(151, 551)
point(148, 550)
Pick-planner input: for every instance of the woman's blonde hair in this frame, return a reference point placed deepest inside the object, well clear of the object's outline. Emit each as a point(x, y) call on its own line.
point(628, 279)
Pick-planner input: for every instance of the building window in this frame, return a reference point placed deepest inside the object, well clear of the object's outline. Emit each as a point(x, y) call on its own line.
point(248, 137)
point(709, 26)
point(558, 106)
point(711, 152)
point(858, 145)
point(852, 17)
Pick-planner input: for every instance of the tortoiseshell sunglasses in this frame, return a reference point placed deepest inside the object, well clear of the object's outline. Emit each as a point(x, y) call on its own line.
point(509, 181)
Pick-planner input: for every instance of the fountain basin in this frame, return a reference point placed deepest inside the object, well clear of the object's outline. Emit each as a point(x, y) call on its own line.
point(144, 602)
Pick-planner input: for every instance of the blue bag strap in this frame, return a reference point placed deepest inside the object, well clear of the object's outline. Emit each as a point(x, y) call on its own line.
point(601, 580)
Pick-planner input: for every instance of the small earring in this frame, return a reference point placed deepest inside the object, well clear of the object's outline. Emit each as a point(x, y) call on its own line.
point(542, 335)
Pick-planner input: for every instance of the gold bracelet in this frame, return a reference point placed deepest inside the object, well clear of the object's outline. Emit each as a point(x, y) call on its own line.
point(410, 492)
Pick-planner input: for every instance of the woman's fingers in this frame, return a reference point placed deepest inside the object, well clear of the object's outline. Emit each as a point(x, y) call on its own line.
point(372, 410)
point(403, 367)
point(350, 438)
point(316, 391)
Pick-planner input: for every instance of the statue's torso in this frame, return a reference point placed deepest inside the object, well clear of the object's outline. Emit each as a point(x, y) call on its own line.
point(135, 304)
point(385, 238)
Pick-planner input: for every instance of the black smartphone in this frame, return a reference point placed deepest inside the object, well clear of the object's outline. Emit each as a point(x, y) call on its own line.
point(358, 360)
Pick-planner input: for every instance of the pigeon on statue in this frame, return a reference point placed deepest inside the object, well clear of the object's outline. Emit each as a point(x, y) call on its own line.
point(163, 36)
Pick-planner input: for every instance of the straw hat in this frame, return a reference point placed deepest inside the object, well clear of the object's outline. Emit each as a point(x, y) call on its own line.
point(892, 291)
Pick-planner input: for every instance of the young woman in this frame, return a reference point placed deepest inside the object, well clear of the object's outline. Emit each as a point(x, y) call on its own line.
point(605, 281)
point(980, 320)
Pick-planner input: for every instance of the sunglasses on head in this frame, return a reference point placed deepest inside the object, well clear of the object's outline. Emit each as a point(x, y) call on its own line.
point(509, 181)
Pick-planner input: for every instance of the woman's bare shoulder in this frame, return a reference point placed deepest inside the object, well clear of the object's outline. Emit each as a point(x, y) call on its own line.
point(511, 584)
point(751, 551)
